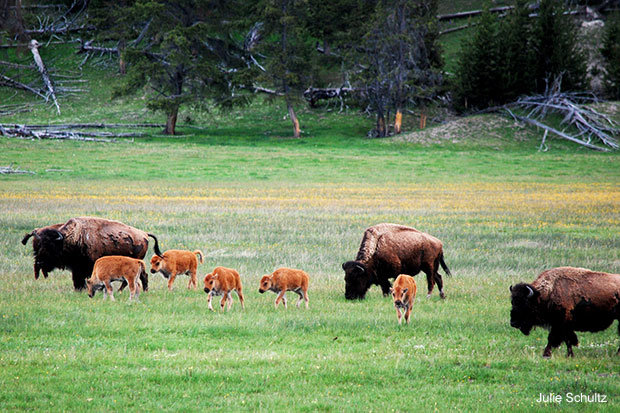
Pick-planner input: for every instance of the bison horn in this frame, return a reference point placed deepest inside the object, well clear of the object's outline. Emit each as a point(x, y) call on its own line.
point(59, 237)
point(531, 292)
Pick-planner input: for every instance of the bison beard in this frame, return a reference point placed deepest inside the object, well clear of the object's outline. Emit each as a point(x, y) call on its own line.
point(388, 250)
point(78, 243)
point(564, 300)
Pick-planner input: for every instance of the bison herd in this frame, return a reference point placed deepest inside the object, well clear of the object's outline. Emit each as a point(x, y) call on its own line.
point(98, 251)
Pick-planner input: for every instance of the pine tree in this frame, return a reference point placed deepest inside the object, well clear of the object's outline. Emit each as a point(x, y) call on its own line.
point(186, 55)
point(611, 54)
point(288, 51)
point(556, 51)
point(479, 72)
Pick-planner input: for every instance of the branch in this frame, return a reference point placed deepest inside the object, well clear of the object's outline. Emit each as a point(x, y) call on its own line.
point(34, 48)
point(7, 81)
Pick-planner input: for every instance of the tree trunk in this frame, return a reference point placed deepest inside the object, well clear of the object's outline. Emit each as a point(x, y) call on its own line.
point(398, 121)
point(381, 130)
point(171, 122)
point(122, 66)
point(291, 113)
point(34, 48)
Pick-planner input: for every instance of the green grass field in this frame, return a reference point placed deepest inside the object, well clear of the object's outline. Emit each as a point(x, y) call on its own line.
point(234, 185)
point(256, 202)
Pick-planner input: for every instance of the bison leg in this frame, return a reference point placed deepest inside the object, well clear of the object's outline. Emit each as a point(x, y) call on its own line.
point(240, 295)
point(556, 337)
point(439, 282)
point(408, 314)
point(399, 315)
point(144, 280)
point(79, 280)
point(123, 285)
point(571, 340)
point(385, 286)
point(171, 281)
point(209, 298)
point(223, 301)
point(430, 281)
point(110, 290)
point(282, 298)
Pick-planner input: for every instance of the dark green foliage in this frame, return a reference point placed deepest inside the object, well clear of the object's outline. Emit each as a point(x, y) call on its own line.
point(611, 54)
point(183, 52)
point(556, 52)
point(400, 57)
point(506, 58)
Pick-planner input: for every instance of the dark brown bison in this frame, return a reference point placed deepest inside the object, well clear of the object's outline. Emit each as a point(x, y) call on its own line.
point(388, 250)
point(564, 300)
point(78, 243)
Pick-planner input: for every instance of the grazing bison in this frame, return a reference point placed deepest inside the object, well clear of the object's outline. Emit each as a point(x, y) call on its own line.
point(388, 250)
point(565, 300)
point(78, 243)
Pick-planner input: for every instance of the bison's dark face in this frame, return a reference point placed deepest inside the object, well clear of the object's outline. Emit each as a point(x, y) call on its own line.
point(47, 247)
point(523, 314)
point(357, 280)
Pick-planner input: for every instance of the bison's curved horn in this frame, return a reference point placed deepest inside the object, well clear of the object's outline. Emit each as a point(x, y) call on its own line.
point(361, 267)
point(531, 292)
point(510, 288)
point(58, 236)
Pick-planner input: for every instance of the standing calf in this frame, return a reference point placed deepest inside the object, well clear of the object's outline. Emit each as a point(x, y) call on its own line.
point(116, 268)
point(283, 280)
point(222, 281)
point(176, 262)
point(403, 292)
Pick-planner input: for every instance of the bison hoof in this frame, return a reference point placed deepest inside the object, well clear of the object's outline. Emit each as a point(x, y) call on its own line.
point(547, 354)
point(428, 295)
point(442, 295)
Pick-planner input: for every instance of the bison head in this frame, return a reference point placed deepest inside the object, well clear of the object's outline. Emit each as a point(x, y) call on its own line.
point(524, 306)
point(157, 263)
point(210, 282)
point(357, 280)
point(266, 282)
point(47, 247)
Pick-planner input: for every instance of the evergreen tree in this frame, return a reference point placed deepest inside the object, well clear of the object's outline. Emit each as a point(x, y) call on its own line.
point(187, 54)
point(479, 72)
point(556, 51)
point(401, 58)
point(611, 54)
point(288, 51)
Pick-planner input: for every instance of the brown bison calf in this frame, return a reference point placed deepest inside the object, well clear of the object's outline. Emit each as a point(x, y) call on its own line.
point(564, 300)
point(176, 262)
point(222, 281)
point(283, 280)
point(403, 292)
point(116, 268)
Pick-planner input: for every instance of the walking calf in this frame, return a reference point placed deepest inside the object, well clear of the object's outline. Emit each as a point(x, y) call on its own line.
point(222, 281)
point(116, 268)
point(283, 280)
point(403, 292)
point(175, 262)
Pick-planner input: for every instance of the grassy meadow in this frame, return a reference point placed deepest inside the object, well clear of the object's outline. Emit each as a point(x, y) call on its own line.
point(255, 202)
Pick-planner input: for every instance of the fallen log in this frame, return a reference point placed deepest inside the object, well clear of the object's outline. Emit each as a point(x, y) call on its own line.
point(465, 14)
point(15, 65)
point(7, 81)
point(23, 132)
point(90, 125)
point(34, 48)
point(313, 95)
point(10, 170)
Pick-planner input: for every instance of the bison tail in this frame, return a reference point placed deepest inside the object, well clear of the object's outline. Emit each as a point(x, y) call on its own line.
point(27, 236)
point(443, 265)
point(156, 246)
point(200, 255)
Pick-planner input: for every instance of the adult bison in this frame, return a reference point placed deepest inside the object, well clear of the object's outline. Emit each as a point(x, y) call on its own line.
point(388, 250)
point(565, 300)
point(76, 245)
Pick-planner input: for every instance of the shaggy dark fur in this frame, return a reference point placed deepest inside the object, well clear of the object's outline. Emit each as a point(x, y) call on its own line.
point(78, 243)
point(388, 250)
point(564, 300)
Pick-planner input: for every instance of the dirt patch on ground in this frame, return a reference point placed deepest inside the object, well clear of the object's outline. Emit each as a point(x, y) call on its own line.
point(482, 129)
